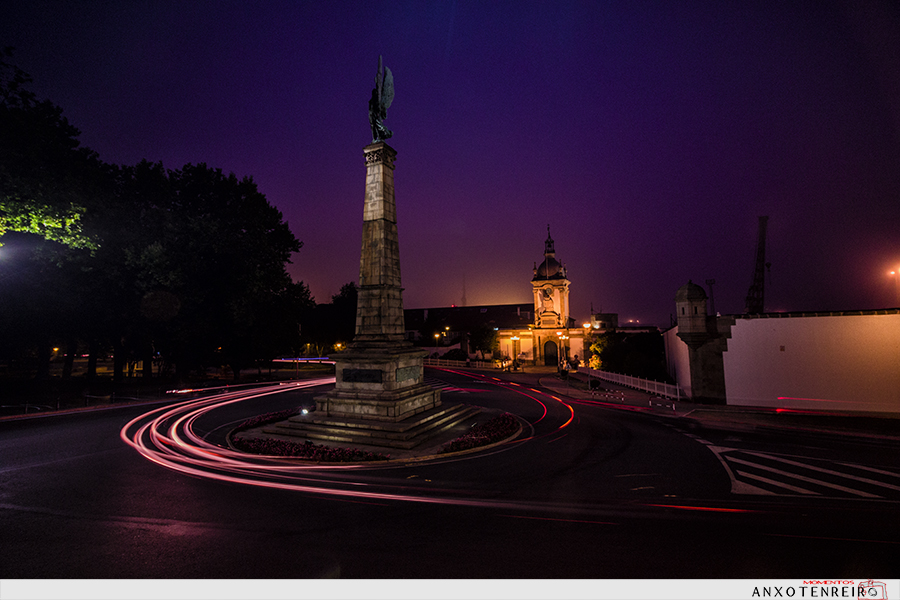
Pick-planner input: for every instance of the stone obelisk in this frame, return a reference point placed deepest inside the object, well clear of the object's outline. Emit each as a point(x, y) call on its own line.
point(380, 397)
point(380, 376)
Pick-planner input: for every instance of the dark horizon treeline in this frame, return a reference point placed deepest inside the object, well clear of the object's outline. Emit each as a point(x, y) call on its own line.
point(182, 268)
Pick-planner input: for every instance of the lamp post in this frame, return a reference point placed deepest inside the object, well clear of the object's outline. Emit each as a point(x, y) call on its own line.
point(896, 276)
point(586, 349)
point(559, 351)
point(437, 338)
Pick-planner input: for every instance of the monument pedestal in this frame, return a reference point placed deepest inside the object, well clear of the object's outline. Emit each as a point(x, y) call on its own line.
point(380, 397)
point(383, 384)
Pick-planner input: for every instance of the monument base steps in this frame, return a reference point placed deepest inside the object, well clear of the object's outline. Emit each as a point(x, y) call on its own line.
point(406, 434)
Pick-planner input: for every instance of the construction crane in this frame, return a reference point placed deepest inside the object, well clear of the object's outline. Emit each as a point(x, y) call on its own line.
point(756, 293)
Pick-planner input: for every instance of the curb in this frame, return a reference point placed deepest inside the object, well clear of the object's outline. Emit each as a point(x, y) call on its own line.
point(729, 419)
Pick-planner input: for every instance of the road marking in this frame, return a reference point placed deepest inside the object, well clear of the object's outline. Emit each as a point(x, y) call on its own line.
point(828, 471)
point(872, 469)
point(775, 483)
point(766, 480)
point(743, 479)
point(804, 478)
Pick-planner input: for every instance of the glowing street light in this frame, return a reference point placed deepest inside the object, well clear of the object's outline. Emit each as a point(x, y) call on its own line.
point(896, 276)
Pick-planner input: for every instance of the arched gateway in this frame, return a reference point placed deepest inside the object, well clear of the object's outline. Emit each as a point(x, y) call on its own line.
point(551, 354)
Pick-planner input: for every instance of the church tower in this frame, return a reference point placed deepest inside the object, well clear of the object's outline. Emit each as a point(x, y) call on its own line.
point(552, 340)
point(551, 290)
point(551, 335)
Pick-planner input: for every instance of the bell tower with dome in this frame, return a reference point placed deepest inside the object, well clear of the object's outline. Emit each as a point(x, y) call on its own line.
point(551, 290)
point(552, 340)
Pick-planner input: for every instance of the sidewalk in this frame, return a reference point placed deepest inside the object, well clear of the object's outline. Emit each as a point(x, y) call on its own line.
point(874, 427)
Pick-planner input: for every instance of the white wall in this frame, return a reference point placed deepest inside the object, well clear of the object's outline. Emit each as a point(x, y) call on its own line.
point(846, 362)
point(677, 360)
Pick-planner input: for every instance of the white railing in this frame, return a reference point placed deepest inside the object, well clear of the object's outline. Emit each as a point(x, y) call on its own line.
point(440, 362)
point(654, 387)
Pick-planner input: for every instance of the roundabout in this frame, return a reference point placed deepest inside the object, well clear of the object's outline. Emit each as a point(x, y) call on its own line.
point(588, 489)
point(167, 437)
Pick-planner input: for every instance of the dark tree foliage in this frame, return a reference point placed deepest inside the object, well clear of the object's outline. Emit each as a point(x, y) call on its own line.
point(185, 268)
point(639, 355)
point(484, 339)
point(325, 325)
point(49, 190)
point(47, 182)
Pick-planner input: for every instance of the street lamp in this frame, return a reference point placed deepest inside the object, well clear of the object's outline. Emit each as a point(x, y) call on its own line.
point(896, 276)
point(585, 350)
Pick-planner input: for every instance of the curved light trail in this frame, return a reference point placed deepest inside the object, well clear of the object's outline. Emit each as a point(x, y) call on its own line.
point(166, 437)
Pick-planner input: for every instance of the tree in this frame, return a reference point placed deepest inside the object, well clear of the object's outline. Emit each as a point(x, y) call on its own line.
point(484, 339)
point(325, 325)
point(187, 265)
point(223, 254)
point(639, 355)
point(50, 187)
point(43, 171)
point(345, 303)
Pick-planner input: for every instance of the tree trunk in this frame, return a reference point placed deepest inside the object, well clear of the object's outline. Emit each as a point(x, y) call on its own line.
point(43, 357)
point(71, 349)
point(118, 361)
point(148, 361)
point(93, 351)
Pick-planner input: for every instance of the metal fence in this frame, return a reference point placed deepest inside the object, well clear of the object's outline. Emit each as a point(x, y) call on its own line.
point(654, 387)
point(440, 362)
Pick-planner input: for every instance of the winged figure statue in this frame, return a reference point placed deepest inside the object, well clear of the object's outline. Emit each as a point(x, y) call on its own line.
point(382, 96)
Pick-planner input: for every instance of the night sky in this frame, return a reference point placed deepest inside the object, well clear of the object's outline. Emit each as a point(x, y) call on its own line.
point(649, 135)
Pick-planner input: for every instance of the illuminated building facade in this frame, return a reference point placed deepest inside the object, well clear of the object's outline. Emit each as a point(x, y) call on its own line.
point(553, 339)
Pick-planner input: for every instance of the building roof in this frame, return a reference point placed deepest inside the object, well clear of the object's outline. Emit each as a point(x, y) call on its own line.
point(690, 291)
point(550, 268)
point(467, 318)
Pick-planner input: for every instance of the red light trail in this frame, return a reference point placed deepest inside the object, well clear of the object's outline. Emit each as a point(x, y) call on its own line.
point(166, 436)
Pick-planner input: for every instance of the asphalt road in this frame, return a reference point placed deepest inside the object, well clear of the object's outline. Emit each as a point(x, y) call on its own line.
point(590, 490)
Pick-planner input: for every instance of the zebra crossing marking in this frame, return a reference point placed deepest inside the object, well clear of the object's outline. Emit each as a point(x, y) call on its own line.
point(803, 478)
point(772, 482)
point(767, 479)
point(830, 472)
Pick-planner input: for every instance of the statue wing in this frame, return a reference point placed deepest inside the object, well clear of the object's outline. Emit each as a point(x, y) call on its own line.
point(387, 90)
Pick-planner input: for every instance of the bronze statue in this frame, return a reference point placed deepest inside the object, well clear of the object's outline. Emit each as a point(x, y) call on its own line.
point(382, 96)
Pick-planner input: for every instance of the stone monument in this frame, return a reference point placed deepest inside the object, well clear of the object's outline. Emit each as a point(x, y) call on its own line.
point(380, 376)
point(380, 397)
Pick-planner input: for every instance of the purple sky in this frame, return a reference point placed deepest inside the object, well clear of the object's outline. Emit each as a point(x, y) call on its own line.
point(648, 135)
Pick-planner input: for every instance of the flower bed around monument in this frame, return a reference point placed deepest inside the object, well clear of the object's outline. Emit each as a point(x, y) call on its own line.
point(306, 450)
point(497, 429)
point(265, 419)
